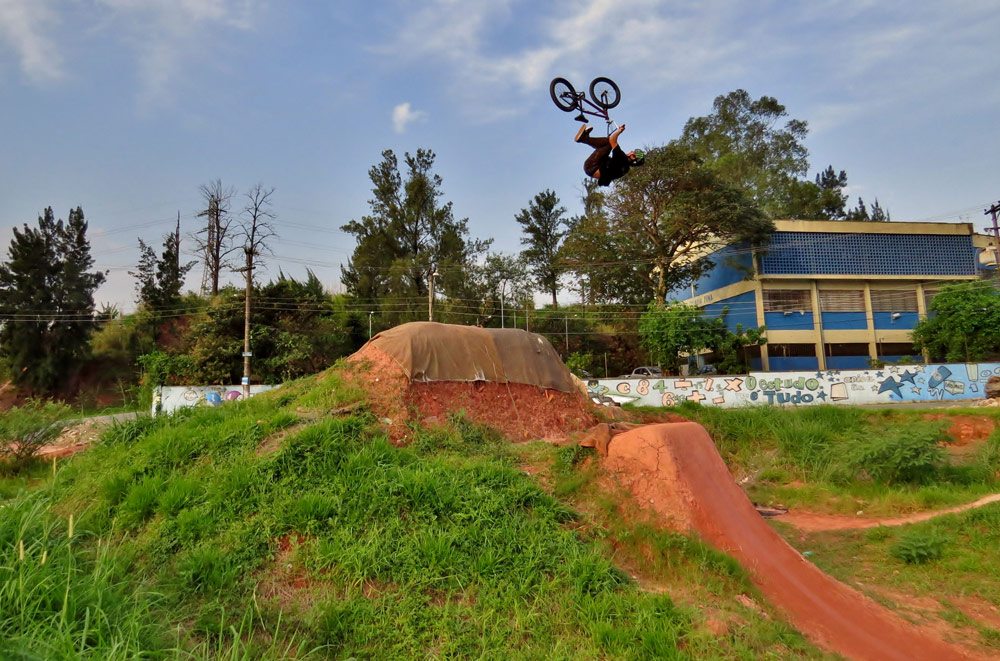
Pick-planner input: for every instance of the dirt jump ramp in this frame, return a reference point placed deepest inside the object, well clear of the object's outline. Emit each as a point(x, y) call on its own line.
point(675, 470)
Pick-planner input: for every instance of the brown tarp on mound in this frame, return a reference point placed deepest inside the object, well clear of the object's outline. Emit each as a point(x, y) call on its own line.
point(429, 351)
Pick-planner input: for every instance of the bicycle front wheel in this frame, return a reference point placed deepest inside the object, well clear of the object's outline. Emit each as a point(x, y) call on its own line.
point(563, 94)
point(605, 92)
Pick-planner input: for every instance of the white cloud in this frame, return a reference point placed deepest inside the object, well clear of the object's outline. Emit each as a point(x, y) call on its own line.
point(168, 34)
point(403, 115)
point(649, 40)
point(23, 27)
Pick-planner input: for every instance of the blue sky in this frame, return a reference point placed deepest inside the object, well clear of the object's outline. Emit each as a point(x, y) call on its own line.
point(126, 107)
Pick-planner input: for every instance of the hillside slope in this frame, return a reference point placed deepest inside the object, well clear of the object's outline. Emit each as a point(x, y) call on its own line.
point(279, 527)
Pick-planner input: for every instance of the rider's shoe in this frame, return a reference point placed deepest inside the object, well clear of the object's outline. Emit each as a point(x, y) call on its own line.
point(583, 133)
point(581, 118)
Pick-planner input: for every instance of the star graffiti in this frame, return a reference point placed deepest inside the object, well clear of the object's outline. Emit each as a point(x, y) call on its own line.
point(908, 377)
point(890, 385)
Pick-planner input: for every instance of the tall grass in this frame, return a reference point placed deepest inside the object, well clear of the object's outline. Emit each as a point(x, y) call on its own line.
point(443, 548)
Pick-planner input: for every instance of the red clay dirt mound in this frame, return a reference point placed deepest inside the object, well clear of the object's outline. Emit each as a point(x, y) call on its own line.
point(519, 411)
point(676, 470)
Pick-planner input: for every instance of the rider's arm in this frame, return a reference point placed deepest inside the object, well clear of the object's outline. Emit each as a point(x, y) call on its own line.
point(613, 138)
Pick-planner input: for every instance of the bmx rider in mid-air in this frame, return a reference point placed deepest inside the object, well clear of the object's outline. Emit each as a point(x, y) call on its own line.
point(608, 162)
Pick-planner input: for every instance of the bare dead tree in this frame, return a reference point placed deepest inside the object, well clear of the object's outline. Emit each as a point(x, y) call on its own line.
point(255, 228)
point(213, 241)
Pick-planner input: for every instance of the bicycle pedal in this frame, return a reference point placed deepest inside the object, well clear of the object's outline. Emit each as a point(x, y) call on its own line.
point(581, 118)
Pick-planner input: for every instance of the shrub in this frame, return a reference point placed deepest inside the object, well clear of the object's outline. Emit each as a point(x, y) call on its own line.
point(905, 454)
point(25, 429)
point(918, 547)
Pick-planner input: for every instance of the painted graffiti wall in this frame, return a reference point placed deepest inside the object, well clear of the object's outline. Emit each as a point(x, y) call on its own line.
point(167, 399)
point(886, 385)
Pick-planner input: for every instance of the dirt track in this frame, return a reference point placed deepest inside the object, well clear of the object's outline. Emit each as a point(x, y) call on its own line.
point(816, 522)
point(676, 470)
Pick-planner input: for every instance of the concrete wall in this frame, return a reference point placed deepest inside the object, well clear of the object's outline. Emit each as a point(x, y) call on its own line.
point(167, 399)
point(892, 384)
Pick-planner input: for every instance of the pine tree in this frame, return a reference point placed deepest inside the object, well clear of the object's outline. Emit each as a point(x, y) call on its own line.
point(541, 224)
point(47, 301)
point(159, 280)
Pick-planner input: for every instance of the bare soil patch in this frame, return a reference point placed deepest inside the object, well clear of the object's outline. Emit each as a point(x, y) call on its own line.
point(521, 412)
point(812, 522)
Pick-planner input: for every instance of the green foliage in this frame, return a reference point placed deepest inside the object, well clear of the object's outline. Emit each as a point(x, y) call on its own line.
point(579, 363)
point(902, 454)
point(964, 324)
point(744, 141)
point(669, 330)
point(25, 429)
point(754, 146)
point(159, 280)
point(408, 236)
point(918, 547)
point(666, 217)
point(47, 296)
point(541, 225)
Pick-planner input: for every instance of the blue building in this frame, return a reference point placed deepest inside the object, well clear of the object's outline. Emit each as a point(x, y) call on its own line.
point(835, 295)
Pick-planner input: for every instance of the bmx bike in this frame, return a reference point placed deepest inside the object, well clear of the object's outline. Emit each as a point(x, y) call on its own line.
point(604, 95)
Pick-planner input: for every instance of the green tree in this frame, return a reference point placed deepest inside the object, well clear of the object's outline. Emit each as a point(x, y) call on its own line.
point(47, 301)
point(409, 240)
point(667, 217)
point(964, 324)
point(873, 213)
point(159, 280)
point(541, 223)
point(745, 143)
point(505, 286)
point(590, 253)
point(832, 198)
point(667, 331)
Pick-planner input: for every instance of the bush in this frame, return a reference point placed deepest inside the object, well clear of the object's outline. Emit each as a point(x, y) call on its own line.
point(25, 429)
point(918, 547)
point(905, 454)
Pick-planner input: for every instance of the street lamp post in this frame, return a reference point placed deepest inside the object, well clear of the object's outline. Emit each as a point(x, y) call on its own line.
point(370, 313)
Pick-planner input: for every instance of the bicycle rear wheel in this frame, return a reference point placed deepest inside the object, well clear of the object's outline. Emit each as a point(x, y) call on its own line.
point(605, 92)
point(563, 94)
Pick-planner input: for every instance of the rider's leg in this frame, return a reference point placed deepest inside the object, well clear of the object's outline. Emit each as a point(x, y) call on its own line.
point(601, 151)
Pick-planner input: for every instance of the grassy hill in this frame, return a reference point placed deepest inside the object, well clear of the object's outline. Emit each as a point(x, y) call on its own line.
point(274, 528)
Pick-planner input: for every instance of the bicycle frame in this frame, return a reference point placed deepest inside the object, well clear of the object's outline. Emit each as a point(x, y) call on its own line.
point(592, 109)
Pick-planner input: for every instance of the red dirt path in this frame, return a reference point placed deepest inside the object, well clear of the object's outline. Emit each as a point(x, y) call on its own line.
point(676, 470)
point(811, 522)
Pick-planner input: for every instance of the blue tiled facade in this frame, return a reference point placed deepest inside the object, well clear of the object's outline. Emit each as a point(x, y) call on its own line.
point(742, 310)
point(845, 321)
point(830, 253)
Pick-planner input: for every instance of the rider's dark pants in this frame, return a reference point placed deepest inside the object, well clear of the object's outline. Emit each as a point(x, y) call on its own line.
point(602, 149)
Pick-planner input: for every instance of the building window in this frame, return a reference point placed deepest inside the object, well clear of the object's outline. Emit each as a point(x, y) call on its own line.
point(894, 300)
point(791, 350)
point(847, 349)
point(848, 300)
point(787, 300)
point(896, 349)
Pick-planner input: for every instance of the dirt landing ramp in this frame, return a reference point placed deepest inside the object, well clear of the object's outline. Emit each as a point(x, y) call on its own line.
point(675, 470)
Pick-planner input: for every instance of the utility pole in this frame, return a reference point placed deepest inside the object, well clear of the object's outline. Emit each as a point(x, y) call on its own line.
point(430, 294)
point(993, 211)
point(370, 313)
